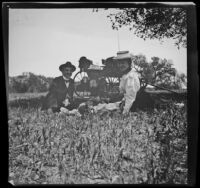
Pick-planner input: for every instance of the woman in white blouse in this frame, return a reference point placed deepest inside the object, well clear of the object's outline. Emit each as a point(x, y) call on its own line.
point(129, 83)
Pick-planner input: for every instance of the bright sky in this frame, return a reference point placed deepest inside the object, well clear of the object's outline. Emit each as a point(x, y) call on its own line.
point(42, 39)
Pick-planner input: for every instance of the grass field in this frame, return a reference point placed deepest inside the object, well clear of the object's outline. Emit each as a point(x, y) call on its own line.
point(17, 96)
point(51, 148)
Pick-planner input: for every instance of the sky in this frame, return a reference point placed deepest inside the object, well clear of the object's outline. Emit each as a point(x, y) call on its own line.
point(40, 40)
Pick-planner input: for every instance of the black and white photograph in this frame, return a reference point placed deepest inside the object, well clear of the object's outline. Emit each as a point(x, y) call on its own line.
point(97, 93)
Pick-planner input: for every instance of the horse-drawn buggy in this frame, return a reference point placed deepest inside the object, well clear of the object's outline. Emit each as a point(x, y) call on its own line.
point(103, 81)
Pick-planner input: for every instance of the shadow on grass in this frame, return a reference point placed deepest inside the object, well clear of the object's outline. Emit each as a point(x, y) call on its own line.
point(35, 102)
point(27, 103)
point(145, 99)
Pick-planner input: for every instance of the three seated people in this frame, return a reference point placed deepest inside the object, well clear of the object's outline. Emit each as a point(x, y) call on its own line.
point(62, 88)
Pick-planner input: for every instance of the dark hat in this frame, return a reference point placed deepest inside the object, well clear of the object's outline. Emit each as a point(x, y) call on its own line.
point(67, 64)
point(85, 59)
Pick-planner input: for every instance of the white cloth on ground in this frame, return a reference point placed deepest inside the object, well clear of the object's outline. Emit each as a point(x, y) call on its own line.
point(101, 107)
point(70, 112)
point(106, 107)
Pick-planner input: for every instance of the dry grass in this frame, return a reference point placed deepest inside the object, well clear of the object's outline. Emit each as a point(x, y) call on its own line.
point(47, 148)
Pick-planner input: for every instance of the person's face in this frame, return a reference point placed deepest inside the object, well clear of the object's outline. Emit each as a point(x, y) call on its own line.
point(123, 65)
point(67, 72)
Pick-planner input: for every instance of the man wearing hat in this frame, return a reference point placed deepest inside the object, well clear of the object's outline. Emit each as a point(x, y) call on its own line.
point(61, 89)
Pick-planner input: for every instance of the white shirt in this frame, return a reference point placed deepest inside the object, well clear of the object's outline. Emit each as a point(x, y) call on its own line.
point(66, 83)
point(66, 101)
point(129, 86)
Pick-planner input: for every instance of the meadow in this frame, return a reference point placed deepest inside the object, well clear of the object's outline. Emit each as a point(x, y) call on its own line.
point(146, 147)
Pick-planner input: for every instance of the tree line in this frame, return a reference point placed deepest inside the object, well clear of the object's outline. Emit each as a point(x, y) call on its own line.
point(159, 72)
point(29, 82)
point(147, 23)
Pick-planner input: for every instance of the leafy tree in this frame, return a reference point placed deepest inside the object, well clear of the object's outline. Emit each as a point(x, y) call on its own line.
point(164, 73)
point(143, 68)
point(29, 82)
point(180, 81)
point(158, 72)
point(153, 23)
point(19, 86)
point(183, 78)
point(36, 84)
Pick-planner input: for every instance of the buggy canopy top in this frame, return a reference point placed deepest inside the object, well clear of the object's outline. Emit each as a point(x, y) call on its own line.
point(120, 56)
point(95, 67)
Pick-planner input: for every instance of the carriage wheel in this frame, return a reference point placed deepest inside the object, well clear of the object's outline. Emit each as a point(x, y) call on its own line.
point(81, 82)
point(112, 86)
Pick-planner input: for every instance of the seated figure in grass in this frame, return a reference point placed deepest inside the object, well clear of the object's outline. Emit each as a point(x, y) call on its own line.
point(61, 90)
point(129, 82)
point(97, 83)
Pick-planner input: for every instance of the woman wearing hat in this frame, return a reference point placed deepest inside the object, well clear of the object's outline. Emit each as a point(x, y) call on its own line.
point(61, 89)
point(129, 82)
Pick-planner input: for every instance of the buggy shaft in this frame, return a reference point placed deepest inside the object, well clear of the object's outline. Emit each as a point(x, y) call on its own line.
point(162, 88)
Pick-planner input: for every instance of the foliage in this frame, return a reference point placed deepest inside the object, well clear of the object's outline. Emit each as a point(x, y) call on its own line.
point(144, 147)
point(164, 73)
point(29, 82)
point(153, 23)
point(159, 72)
point(142, 67)
point(181, 80)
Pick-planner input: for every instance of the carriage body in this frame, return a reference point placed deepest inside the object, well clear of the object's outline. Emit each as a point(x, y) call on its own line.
point(103, 81)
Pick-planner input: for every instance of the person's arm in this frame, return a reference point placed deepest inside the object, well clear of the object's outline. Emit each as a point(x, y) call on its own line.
point(73, 90)
point(131, 88)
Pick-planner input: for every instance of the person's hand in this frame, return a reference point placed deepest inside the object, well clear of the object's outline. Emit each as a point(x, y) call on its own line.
point(125, 112)
point(121, 105)
point(66, 102)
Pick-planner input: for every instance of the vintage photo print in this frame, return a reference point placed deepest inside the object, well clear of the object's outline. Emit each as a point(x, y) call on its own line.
point(101, 93)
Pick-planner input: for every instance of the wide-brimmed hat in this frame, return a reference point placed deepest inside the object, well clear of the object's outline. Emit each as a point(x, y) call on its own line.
point(121, 55)
point(67, 64)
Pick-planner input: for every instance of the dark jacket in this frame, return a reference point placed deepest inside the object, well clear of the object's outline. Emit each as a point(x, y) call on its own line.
point(58, 92)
